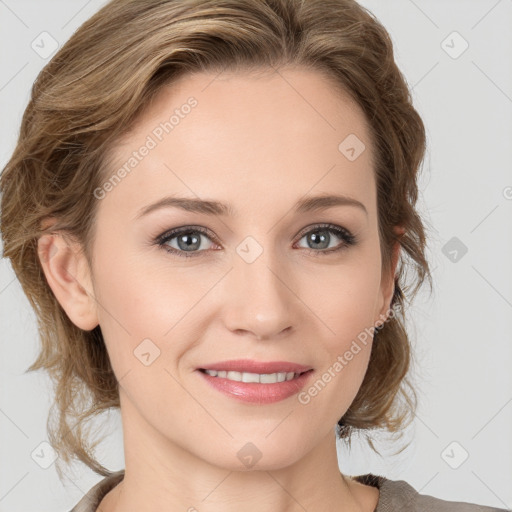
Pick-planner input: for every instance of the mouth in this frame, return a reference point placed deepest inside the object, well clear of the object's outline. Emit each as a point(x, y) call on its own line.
point(259, 378)
point(256, 382)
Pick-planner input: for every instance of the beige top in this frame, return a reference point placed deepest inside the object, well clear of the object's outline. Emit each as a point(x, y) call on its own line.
point(395, 495)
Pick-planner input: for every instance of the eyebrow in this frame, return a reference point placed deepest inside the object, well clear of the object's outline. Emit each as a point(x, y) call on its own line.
point(304, 205)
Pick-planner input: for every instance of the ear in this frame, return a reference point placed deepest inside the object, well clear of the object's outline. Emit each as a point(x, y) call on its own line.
point(68, 275)
point(388, 280)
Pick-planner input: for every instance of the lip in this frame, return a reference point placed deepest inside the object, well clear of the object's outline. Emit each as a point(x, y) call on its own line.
point(251, 366)
point(255, 392)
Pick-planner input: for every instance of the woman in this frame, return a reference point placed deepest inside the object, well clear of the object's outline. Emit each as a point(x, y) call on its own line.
point(207, 207)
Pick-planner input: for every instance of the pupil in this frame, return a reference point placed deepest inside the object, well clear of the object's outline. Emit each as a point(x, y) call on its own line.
point(191, 241)
point(315, 238)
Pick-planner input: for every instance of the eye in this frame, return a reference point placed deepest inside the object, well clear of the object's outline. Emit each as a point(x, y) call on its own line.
point(320, 237)
point(187, 241)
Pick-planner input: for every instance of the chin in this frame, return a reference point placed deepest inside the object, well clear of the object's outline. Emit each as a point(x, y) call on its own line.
point(257, 454)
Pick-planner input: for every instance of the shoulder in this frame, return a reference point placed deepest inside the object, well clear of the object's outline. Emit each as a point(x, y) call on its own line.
point(399, 495)
point(91, 500)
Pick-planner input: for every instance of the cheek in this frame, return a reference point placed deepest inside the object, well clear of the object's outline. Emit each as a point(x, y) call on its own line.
point(147, 312)
point(345, 300)
point(125, 301)
point(346, 308)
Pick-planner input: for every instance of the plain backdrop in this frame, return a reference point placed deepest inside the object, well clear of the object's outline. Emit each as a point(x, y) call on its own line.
point(457, 57)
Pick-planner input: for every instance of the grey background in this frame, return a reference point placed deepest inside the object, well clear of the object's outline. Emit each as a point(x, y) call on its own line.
point(461, 335)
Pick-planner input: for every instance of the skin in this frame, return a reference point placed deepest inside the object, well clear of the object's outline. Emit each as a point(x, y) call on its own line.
point(259, 142)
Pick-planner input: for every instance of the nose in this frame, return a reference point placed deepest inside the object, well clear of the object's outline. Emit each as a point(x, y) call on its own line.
point(261, 301)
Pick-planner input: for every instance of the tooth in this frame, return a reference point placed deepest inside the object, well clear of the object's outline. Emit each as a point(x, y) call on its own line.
point(264, 378)
point(268, 378)
point(234, 376)
point(250, 377)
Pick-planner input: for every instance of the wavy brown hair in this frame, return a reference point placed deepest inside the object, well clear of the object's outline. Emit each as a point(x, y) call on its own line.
point(94, 90)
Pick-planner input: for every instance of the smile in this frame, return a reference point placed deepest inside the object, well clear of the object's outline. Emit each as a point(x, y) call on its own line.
point(262, 378)
point(256, 388)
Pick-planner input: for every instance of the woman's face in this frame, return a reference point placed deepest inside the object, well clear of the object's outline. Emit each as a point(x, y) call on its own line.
point(263, 280)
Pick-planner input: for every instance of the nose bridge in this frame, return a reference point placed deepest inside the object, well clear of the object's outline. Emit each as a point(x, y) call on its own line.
point(263, 301)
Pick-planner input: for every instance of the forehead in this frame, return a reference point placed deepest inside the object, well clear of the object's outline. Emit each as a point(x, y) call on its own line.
point(251, 134)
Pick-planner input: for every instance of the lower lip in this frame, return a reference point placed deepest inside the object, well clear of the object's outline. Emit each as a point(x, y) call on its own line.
point(255, 392)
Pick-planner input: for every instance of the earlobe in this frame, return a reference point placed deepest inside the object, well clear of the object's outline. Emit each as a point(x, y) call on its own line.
point(68, 275)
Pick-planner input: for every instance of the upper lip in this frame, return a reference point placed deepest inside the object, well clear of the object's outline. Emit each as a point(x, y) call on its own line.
point(251, 366)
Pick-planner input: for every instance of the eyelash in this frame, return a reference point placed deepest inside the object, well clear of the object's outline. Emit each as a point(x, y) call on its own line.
point(347, 237)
